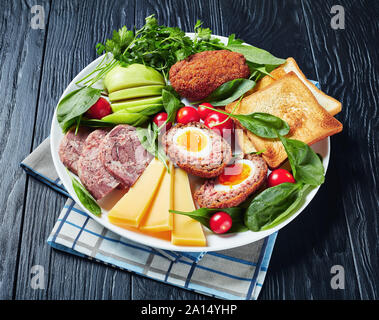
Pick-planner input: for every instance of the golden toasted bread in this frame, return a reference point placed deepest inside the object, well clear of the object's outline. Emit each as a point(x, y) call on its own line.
point(291, 100)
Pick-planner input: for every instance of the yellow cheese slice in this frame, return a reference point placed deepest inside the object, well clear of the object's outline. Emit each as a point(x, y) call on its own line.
point(158, 218)
point(186, 231)
point(131, 208)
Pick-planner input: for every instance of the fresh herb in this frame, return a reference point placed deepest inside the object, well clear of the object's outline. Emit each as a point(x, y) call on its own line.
point(305, 164)
point(74, 105)
point(149, 140)
point(261, 124)
point(85, 197)
point(171, 103)
point(229, 92)
point(271, 203)
point(156, 45)
point(203, 215)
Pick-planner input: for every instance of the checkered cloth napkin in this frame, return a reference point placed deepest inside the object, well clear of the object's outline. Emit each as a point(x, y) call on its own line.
point(230, 274)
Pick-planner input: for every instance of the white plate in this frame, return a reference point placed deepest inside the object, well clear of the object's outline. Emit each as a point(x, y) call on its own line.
point(214, 242)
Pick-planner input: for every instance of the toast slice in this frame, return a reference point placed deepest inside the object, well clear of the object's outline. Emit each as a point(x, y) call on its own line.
point(291, 100)
point(328, 103)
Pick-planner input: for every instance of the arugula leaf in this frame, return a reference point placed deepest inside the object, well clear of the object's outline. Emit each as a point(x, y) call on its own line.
point(203, 215)
point(229, 92)
point(85, 197)
point(271, 203)
point(255, 55)
point(305, 164)
point(75, 104)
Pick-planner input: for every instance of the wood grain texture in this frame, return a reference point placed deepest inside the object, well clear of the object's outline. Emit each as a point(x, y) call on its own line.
point(20, 56)
point(339, 227)
point(74, 29)
point(347, 62)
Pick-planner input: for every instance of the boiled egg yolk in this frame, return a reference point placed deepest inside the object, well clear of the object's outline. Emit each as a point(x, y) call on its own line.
point(192, 140)
point(234, 174)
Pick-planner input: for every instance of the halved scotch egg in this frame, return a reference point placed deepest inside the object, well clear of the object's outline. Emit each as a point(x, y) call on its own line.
point(197, 149)
point(234, 185)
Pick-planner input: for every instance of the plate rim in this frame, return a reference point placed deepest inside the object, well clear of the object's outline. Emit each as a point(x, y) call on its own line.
point(125, 233)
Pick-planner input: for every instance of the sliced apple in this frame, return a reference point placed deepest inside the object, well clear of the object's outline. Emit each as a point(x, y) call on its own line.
point(136, 92)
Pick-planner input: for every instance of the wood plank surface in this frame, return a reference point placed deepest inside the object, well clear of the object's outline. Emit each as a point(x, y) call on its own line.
point(21, 57)
point(339, 227)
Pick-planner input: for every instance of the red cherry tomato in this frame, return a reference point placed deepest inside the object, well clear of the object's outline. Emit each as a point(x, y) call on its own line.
point(280, 176)
point(160, 119)
point(204, 112)
point(220, 222)
point(99, 110)
point(214, 118)
point(186, 115)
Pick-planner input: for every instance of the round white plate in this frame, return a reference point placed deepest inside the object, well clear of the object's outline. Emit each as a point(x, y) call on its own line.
point(214, 242)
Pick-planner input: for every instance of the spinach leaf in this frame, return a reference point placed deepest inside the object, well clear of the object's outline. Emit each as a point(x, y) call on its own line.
point(305, 164)
point(85, 197)
point(271, 203)
point(291, 209)
point(203, 215)
point(229, 92)
point(262, 124)
point(255, 55)
point(171, 103)
point(75, 104)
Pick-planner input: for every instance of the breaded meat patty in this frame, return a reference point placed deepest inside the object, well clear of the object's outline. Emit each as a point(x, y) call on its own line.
point(199, 75)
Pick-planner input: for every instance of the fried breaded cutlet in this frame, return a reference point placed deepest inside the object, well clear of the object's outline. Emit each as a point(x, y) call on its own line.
point(199, 75)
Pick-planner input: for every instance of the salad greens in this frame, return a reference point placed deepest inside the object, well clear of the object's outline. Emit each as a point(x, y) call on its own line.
point(74, 105)
point(229, 92)
point(85, 197)
point(203, 215)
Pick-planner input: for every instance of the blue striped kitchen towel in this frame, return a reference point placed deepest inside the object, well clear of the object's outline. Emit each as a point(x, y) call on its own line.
point(231, 274)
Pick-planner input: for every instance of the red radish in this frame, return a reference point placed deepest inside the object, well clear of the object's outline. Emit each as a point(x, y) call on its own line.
point(186, 115)
point(220, 222)
point(99, 110)
point(280, 176)
point(204, 112)
point(160, 119)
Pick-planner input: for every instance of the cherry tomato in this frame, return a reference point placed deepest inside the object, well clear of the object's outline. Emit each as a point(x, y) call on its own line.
point(214, 118)
point(220, 222)
point(204, 112)
point(280, 176)
point(160, 119)
point(186, 115)
point(99, 110)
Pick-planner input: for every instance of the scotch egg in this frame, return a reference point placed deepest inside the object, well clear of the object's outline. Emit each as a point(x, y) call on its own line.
point(197, 149)
point(234, 185)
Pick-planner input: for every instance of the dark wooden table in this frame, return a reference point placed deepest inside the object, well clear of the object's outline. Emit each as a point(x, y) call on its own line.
point(339, 227)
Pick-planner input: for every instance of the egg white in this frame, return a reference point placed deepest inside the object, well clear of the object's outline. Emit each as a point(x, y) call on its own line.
point(220, 187)
point(200, 154)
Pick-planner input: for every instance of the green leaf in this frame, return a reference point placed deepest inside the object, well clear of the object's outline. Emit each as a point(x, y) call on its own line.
point(263, 125)
point(203, 215)
point(171, 104)
point(271, 203)
point(305, 164)
point(85, 197)
point(291, 209)
point(256, 55)
point(229, 92)
point(75, 104)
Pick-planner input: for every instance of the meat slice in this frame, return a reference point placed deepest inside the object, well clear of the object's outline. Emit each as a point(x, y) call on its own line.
point(123, 156)
point(91, 171)
point(71, 147)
